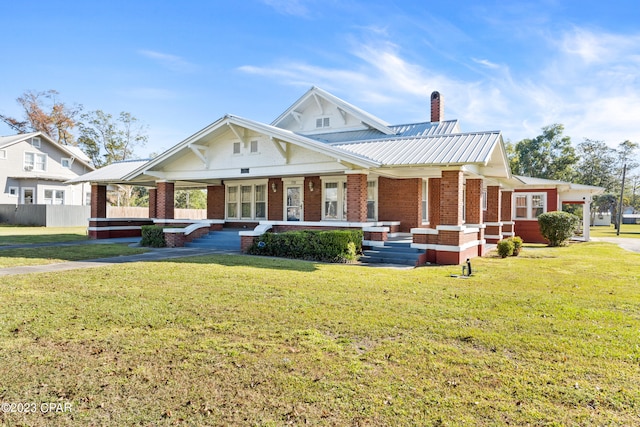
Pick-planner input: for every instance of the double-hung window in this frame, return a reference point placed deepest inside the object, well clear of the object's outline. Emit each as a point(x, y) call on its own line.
point(247, 201)
point(54, 197)
point(334, 199)
point(35, 161)
point(425, 201)
point(372, 199)
point(529, 205)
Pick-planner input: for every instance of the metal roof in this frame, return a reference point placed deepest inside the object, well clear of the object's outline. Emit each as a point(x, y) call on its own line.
point(452, 149)
point(411, 129)
point(531, 181)
point(110, 173)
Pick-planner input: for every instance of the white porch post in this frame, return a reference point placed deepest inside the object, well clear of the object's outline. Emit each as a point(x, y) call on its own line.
point(586, 218)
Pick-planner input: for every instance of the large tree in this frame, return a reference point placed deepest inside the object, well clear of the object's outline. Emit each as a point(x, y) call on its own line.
point(597, 165)
point(106, 139)
point(549, 155)
point(43, 112)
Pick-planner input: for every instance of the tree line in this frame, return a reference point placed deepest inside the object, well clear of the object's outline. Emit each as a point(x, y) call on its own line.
point(551, 155)
point(103, 137)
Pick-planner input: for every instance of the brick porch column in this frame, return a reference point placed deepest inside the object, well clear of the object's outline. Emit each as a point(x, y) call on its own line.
point(153, 201)
point(98, 201)
point(357, 198)
point(506, 214)
point(215, 202)
point(450, 229)
point(493, 233)
point(434, 202)
point(165, 200)
point(474, 210)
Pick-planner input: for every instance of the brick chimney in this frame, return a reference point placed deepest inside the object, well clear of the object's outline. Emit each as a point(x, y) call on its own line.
point(437, 107)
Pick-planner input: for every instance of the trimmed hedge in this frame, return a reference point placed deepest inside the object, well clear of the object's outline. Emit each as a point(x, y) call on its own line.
point(505, 248)
point(152, 236)
point(313, 245)
point(557, 226)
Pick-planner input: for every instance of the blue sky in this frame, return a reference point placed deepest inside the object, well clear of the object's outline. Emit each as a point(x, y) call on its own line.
point(180, 65)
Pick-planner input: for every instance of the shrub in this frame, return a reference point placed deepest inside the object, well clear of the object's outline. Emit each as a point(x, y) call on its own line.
point(557, 227)
point(517, 244)
point(505, 248)
point(327, 246)
point(152, 236)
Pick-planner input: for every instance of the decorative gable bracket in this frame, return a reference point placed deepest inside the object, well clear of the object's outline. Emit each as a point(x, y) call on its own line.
point(201, 152)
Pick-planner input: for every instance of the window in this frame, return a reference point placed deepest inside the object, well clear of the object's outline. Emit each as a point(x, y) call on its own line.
point(323, 122)
point(35, 161)
point(254, 146)
point(232, 202)
point(54, 197)
point(35, 141)
point(13, 191)
point(425, 200)
point(3, 154)
point(247, 201)
point(236, 148)
point(65, 162)
point(87, 198)
point(372, 196)
point(530, 205)
point(334, 200)
point(484, 200)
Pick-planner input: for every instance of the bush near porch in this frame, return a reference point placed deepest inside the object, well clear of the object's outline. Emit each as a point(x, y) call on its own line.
point(325, 246)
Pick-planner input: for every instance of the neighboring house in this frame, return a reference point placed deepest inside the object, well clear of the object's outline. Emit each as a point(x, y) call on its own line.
point(323, 164)
point(34, 169)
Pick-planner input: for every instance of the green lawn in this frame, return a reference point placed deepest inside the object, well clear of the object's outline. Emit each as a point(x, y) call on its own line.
point(16, 235)
point(548, 338)
point(627, 230)
point(54, 254)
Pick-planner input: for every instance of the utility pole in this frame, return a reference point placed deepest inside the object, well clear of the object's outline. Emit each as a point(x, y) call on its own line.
point(624, 173)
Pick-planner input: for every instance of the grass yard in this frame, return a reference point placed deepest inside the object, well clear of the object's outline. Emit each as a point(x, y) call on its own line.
point(627, 230)
point(54, 254)
point(17, 235)
point(549, 338)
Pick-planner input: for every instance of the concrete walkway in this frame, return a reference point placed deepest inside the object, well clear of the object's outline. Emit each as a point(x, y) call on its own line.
point(154, 254)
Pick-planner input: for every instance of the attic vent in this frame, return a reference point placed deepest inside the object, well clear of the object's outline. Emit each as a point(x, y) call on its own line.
point(323, 122)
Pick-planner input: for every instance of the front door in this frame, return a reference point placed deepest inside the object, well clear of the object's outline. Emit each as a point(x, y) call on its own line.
point(293, 208)
point(28, 196)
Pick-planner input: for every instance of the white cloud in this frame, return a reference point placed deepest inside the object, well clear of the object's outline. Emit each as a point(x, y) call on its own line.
point(172, 62)
point(485, 63)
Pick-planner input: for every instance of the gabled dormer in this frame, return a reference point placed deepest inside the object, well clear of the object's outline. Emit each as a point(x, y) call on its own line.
point(318, 111)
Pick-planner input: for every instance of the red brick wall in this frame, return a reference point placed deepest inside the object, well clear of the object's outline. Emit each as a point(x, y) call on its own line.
point(215, 202)
point(474, 201)
point(529, 230)
point(275, 200)
point(153, 200)
point(313, 199)
point(434, 201)
point(356, 198)
point(506, 211)
point(98, 201)
point(400, 200)
point(451, 198)
point(493, 204)
point(165, 205)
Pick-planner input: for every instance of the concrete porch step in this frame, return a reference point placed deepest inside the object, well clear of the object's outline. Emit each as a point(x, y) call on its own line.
point(392, 253)
point(224, 239)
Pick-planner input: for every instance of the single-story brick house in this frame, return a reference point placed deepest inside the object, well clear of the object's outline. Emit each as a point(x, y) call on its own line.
point(325, 163)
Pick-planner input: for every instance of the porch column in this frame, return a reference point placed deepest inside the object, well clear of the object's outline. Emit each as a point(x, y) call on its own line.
point(153, 201)
point(434, 202)
point(493, 232)
point(165, 200)
point(506, 214)
point(357, 198)
point(98, 201)
point(215, 202)
point(586, 219)
point(450, 230)
point(473, 211)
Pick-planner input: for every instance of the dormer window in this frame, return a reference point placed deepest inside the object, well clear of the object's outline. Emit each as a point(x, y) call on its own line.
point(323, 122)
point(35, 141)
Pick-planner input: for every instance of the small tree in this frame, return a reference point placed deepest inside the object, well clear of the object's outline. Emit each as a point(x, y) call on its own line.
point(557, 227)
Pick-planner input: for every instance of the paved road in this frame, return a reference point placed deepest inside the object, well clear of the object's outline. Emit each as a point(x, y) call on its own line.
point(154, 254)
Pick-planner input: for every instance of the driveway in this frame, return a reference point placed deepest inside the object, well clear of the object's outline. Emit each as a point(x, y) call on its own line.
point(627, 243)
